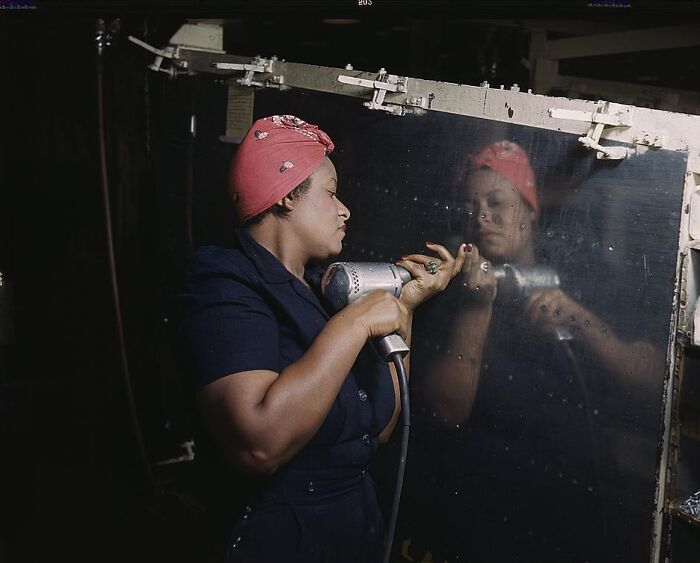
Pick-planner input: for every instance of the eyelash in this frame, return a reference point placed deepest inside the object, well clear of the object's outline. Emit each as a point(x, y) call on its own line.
point(470, 208)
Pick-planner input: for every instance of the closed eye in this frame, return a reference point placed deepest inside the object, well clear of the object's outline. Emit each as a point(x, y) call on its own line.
point(495, 202)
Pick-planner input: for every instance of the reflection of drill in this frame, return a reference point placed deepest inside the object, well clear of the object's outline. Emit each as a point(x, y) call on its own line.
point(518, 282)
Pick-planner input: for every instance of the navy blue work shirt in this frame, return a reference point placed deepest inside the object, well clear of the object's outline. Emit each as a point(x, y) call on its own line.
point(245, 311)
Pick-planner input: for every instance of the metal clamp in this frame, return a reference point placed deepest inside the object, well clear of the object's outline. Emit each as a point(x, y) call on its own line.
point(161, 54)
point(384, 83)
point(421, 102)
point(608, 113)
point(248, 67)
point(189, 455)
point(649, 140)
point(202, 38)
point(257, 65)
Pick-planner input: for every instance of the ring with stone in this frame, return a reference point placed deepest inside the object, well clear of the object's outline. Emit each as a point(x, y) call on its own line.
point(432, 267)
point(484, 266)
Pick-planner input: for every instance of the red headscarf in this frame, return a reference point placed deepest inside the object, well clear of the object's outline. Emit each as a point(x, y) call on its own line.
point(510, 161)
point(276, 155)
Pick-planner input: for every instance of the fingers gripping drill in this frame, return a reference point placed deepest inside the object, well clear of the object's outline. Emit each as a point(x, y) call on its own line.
point(517, 283)
point(345, 282)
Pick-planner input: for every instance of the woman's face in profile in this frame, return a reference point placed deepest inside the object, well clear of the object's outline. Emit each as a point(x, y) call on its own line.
point(502, 219)
point(319, 216)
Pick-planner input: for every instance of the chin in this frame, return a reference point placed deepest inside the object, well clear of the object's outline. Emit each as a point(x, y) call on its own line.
point(491, 253)
point(337, 247)
point(329, 253)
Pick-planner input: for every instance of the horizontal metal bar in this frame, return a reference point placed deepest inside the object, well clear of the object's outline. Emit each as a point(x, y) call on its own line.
point(678, 130)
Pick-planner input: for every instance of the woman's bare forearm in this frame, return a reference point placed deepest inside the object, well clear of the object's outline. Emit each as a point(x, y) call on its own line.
point(632, 363)
point(451, 383)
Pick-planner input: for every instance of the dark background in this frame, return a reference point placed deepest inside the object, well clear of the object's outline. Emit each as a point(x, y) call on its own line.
point(80, 477)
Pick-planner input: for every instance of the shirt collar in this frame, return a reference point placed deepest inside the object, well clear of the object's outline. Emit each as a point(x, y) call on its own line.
point(273, 271)
point(266, 263)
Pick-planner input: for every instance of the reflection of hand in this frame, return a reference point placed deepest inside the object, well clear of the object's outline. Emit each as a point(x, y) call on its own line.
point(478, 277)
point(424, 284)
point(553, 308)
point(637, 363)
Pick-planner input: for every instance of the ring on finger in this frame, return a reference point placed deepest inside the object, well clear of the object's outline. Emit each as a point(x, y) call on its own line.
point(484, 266)
point(432, 267)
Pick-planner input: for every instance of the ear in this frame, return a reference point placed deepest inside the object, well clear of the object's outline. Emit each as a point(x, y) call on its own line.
point(287, 202)
point(534, 215)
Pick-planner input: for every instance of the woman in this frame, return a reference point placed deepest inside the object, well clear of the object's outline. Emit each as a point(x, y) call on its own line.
point(498, 192)
point(287, 391)
point(527, 447)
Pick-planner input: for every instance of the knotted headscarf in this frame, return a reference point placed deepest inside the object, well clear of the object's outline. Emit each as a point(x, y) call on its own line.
point(510, 161)
point(275, 156)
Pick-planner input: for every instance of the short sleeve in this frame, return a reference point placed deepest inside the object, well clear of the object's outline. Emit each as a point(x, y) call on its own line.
point(231, 329)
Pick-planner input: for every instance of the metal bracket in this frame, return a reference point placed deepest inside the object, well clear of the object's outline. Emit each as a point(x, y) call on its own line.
point(259, 65)
point(689, 317)
point(419, 102)
point(384, 83)
point(161, 54)
point(189, 448)
point(649, 140)
point(190, 37)
point(171, 52)
point(607, 113)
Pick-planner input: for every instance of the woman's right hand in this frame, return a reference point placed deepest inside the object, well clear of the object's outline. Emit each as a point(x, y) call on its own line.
point(478, 278)
point(380, 313)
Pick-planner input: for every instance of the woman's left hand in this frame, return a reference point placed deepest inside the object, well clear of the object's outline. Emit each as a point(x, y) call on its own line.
point(553, 308)
point(425, 284)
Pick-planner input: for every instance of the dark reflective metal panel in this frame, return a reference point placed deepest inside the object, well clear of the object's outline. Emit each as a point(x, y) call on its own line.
point(537, 376)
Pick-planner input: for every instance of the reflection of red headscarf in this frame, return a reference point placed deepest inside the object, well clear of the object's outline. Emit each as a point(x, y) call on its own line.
point(510, 161)
point(276, 155)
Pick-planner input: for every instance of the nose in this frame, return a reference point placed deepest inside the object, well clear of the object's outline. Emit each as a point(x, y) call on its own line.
point(483, 215)
point(343, 211)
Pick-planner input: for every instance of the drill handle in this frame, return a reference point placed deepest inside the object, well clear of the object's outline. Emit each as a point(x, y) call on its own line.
point(389, 345)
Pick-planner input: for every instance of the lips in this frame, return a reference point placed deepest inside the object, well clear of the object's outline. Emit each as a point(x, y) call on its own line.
point(488, 235)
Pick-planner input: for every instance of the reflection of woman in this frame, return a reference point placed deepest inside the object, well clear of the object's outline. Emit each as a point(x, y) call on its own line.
point(287, 391)
point(498, 191)
point(518, 481)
